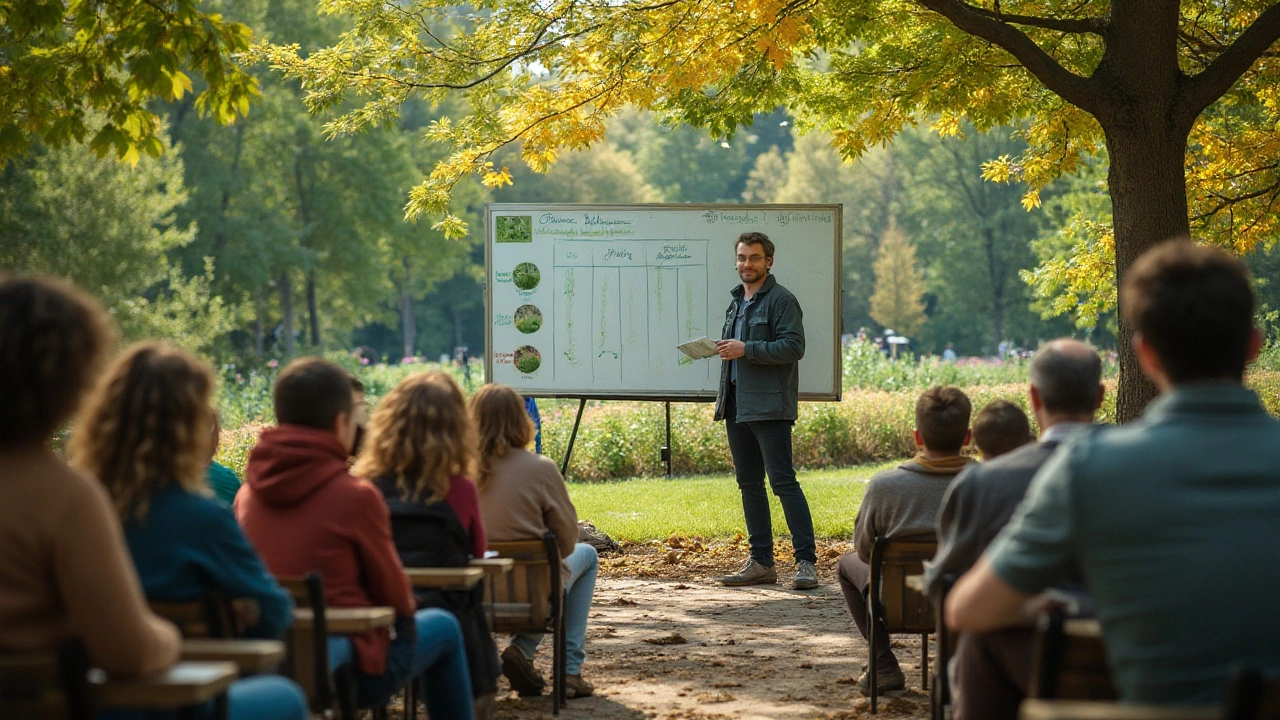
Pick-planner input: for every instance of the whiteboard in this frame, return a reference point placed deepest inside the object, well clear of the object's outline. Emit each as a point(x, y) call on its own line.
point(591, 300)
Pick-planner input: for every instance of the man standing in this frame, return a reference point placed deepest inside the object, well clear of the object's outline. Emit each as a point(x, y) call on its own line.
point(763, 341)
point(1171, 519)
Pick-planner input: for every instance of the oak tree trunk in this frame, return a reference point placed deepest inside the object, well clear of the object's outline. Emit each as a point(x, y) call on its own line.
point(313, 312)
point(286, 314)
point(408, 323)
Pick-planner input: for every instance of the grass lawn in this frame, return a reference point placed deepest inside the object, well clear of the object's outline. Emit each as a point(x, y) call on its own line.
point(710, 506)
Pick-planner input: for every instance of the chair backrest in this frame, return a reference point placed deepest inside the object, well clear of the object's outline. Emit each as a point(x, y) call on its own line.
point(1069, 661)
point(527, 599)
point(209, 617)
point(904, 610)
point(49, 684)
point(1251, 696)
point(308, 592)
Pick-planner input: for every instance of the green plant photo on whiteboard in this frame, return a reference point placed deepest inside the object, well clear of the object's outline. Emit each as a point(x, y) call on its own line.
point(528, 319)
point(528, 359)
point(514, 229)
point(526, 276)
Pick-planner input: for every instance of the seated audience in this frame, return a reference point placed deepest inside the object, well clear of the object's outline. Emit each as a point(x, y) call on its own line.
point(420, 452)
point(993, 669)
point(1000, 427)
point(522, 497)
point(902, 504)
point(305, 512)
point(145, 434)
point(221, 479)
point(1171, 518)
point(65, 572)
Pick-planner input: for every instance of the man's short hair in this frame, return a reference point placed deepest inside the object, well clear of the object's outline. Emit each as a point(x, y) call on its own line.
point(756, 238)
point(1194, 305)
point(1066, 381)
point(1000, 427)
point(53, 338)
point(312, 392)
point(942, 417)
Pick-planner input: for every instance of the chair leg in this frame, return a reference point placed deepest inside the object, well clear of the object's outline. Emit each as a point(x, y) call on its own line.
point(872, 670)
point(924, 661)
point(411, 700)
point(345, 680)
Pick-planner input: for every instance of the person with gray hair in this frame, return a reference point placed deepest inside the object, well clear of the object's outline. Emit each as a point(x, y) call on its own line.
point(1065, 389)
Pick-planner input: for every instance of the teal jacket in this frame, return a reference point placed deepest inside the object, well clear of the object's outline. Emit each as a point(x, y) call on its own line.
point(768, 385)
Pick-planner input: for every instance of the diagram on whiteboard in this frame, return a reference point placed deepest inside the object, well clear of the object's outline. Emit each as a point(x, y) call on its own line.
point(595, 300)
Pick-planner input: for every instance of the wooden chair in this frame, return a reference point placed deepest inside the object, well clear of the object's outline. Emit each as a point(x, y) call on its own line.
point(1251, 697)
point(902, 609)
point(1069, 661)
point(1036, 709)
point(211, 616)
point(530, 598)
point(940, 697)
point(308, 661)
point(46, 685)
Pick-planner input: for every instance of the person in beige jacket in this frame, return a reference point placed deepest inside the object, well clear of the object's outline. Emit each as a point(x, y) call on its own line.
point(64, 570)
point(522, 497)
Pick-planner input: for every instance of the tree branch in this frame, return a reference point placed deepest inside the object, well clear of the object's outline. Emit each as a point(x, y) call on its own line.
point(1093, 26)
point(1077, 90)
point(1203, 89)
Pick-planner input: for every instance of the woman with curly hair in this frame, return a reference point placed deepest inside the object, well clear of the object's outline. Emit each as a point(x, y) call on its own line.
point(146, 433)
point(420, 454)
point(64, 570)
point(522, 497)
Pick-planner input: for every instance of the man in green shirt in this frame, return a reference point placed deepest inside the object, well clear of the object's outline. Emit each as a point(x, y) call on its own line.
point(1173, 519)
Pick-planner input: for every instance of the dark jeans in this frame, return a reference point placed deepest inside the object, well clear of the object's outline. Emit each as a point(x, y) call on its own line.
point(993, 673)
point(855, 578)
point(759, 447)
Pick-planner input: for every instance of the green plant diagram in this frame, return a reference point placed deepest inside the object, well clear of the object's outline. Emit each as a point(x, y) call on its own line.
point(528, 319)
point(528, 359)
point(513, 229)
point(526, 276)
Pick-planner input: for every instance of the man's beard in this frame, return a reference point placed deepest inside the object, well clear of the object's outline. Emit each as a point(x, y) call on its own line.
point(743, 277)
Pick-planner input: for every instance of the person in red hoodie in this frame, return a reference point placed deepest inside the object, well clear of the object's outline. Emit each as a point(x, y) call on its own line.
point(305, 512)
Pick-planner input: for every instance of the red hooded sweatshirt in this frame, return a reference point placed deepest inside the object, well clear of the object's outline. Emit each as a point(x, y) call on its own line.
point(304, 512)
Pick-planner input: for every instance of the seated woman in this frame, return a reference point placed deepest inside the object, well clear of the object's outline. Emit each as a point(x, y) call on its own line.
point(146, 433)
point(64, 568)
point(421, 449)
point(522, 497)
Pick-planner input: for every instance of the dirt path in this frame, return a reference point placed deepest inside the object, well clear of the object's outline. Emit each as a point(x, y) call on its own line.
point(665, 641)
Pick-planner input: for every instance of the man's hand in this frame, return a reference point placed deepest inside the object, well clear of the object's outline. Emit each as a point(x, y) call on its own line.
point(731, 349)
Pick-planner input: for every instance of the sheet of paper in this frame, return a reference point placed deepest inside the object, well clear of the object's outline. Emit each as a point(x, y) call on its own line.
point(699, 349)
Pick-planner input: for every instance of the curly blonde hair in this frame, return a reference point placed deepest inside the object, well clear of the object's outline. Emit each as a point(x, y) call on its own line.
point(502, 423)
point(147, 424)
point(420, 435)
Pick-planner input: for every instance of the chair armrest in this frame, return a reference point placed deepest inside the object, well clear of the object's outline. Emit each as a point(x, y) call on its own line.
point(1090, 710)
point(251, 656)
point(347, 620)
point(187, 683)
point(445, 578)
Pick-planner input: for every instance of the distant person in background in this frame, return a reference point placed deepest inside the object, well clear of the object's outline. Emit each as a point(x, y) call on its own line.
point(531, 408)
point(221, 479)
point(421, 456)
point(1000, 427)
point(65, 572)
point(902, 504)
point(761, 346)
point(993, 670)
point(145, 434)
point(1171, 518)
point(522, 497)
point(949, 355)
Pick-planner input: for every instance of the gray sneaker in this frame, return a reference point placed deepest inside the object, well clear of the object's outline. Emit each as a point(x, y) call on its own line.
point(806, 576)
point(753, 573)
point(889, 681)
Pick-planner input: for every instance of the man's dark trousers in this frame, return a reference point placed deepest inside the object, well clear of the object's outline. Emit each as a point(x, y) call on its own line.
point(760, 447)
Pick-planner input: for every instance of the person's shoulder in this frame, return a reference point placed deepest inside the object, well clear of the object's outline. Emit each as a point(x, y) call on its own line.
point(888, 479)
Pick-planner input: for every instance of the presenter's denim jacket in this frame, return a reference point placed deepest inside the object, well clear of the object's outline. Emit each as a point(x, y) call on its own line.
point(768, 386)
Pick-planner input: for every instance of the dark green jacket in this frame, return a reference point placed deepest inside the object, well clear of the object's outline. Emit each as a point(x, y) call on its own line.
point(768, 375)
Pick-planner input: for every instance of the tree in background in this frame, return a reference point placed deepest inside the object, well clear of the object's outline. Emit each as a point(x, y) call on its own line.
point(111, 229)
point(896, 303)
point(78, 69)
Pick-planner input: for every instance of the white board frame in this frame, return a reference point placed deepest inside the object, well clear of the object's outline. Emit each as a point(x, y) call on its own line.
point(832, 394)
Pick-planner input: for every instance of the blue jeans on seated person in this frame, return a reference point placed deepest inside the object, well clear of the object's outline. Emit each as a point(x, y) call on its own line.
point(583, 564)
point(426, 646)
point(261, 696)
